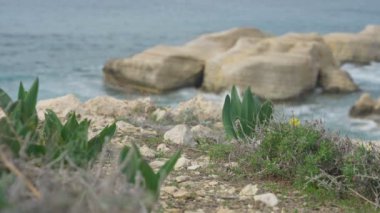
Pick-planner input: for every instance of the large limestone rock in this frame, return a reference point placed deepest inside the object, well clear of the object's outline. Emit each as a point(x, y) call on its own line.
point(366, 107)
point(159, 69)
point(209, 45)
point(277, 68)
point(164, 68)
point(362, 47)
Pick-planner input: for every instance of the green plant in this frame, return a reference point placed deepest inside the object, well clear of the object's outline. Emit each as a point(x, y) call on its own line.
point(135, 166)
point(72, 138)
point(241, 117)
point(19, 126)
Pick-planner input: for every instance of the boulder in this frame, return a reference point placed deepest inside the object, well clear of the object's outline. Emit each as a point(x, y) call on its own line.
point(365, 106)
point(61, 106)
point(209, 45)
point(361, 48)
point(180, 134)
point(165, 68)
point(159, 69)
point(277, 68)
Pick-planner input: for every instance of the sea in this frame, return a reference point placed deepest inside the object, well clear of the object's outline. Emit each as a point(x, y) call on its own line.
point(65, 43)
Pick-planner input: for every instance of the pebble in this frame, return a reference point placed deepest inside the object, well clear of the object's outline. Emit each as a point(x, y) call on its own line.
point(268, 199)
point(248, 191)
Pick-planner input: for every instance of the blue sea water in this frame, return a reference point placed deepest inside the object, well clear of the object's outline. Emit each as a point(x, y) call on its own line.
point(66, 43)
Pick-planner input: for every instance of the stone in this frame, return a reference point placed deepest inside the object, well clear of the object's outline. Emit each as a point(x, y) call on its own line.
point(2, 114)
point(182, 178)
point(182, 162)
point(201, 131)
point(169, 189)
point(157, 164)
point(268, 199)
point(180, 134)
point(162, 148)
point(360, 48)
point(276, 68)
point(105, 106)
point(181, 193)
point(200, 109)
point(147, 152)
point(61, 106)
point(194, 167)
point(248, 191)
point(365, 106)
point(159, 114)
point(158, 69)
point(209, 45)
point(224, 210)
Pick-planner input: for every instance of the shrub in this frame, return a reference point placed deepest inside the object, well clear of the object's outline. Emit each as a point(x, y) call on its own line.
point(19, 126)
point(241, 117)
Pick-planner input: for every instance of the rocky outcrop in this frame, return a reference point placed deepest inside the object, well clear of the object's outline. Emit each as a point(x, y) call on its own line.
point(158, 69)
point(165, 68)
point(361, 48)
point(62, 105)
point(278, 68)
point(366, 107)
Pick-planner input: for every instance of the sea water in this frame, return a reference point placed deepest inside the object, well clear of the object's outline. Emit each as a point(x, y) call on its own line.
point(66, 43)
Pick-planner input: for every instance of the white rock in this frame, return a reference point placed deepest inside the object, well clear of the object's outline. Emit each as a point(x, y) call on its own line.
point(157, 164)
point(180, 134)
point(268, 198)
point(2, 114)
point(197, 211)
point(159, 114)
point(181, 163)
point(248, 191)
point(162, 148)
point(224, 210)
point(181, 193)
point(193, 167)
point(147, 152)
point(182, 178)
point(61, 105)
point(169, 189)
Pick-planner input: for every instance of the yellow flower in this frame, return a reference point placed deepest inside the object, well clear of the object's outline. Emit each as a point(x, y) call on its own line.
point(294, 121)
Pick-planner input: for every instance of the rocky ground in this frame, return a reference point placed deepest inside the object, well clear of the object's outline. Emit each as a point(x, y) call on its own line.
point(197, 184)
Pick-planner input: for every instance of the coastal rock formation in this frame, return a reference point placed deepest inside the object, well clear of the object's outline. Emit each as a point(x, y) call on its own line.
point(62, 105)
point(278, 68)
point(158, 69)
point(164, 68)
point(361, 48)
point(366, 107)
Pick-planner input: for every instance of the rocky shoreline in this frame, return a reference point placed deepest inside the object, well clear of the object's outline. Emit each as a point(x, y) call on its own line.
point(275, 67)
point(197, 184)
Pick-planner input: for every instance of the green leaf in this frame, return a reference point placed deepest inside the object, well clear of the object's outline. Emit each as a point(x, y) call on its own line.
point(164, 171)
point(35, 150)
point(5, 100)
point(226, 117)
point(21, 92)
point(151, 180)
point(247, 115)
point(95, 145)
point(235, 104)
point(31, 100)
point(8, 137)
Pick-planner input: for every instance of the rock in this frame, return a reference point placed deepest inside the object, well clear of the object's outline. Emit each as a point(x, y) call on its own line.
point(157, 164)
point(169, 189)
point(105, 106)
point(365, 106)
point(182, 162)
point(277, 68)
point(337, 81)
point(182, 178)
point(2, 114)
point(198, 109)
point(159, 69)
point(180, 134)
point(248, 191)
point(201, 131)
point(61, 106)
point(159, 114)
point(268, 199)
point(162, 148)
point(147, 152)
point(361, 48)
point(181, 193)
point(224, 210)
point(209, 45)
point(196, 211)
